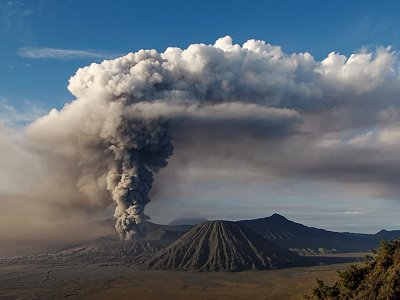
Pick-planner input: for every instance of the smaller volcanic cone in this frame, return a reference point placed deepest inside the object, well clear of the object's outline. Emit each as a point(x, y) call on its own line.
point(222, 246)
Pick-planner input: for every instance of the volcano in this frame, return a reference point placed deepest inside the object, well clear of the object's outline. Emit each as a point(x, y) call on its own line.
point(221, 246)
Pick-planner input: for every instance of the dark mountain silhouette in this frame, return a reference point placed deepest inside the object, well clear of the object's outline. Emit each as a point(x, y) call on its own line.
point(222, 246)
point(304, 239)
point(387, 234)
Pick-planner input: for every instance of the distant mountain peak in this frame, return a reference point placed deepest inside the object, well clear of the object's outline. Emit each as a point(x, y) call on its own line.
point(278, 216)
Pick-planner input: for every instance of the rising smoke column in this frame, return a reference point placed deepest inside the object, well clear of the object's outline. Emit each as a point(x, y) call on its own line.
point(139, 149)
point(131, 148)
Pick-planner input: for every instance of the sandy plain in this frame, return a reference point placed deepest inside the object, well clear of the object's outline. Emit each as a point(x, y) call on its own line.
point(121, 281)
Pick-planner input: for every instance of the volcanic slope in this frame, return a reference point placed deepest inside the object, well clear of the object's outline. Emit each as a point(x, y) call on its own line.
point(221, 246)
point(110, 248)
point(100, 250)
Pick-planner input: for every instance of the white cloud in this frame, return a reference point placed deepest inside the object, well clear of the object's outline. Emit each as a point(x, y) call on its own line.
point(56, 53)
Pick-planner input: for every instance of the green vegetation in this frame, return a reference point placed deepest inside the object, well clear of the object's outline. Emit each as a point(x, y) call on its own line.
point(378, 278)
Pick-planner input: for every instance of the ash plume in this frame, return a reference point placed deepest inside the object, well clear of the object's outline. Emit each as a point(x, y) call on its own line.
point(140, 148)
point(119, 130)
point(108, 143)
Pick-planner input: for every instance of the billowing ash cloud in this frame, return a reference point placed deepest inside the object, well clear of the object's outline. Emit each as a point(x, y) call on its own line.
point(130, 112)
point(139, 149)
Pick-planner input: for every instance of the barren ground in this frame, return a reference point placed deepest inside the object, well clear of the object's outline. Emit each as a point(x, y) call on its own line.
point(113, 281)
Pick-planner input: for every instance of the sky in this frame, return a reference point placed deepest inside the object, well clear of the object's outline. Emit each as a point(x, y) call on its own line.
point(113, 28)
point(43, 43)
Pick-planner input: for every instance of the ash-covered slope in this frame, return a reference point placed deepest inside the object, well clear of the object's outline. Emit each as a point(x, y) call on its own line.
point(221, 246)
point(105, 249)
point(100, 250)
point(110, 248)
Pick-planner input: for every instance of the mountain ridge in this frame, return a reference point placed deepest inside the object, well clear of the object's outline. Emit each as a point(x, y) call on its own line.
point(276, 230)
point(304, 239)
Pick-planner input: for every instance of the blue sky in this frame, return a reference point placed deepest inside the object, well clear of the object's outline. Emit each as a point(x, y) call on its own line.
point(115, 27)
point(44, 42)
